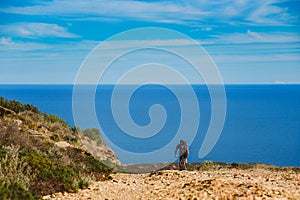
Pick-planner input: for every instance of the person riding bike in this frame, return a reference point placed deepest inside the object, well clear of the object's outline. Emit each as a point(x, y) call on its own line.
point(183, 154)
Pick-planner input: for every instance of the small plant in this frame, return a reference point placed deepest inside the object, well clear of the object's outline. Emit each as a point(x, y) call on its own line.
point(85, 181)
point(54, 137)
point(14, 169)
point(242, 165)
point(27, 121)
point(9, 191)
point(209, 166)
point(72, 139)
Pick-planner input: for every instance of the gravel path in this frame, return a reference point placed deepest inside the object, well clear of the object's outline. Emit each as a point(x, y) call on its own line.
point(173, 184)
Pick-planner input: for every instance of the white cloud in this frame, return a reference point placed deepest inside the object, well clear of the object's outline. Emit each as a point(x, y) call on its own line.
point(254, 37)
point(35, 30)
point(67, 47)
point(199, 12)
point(123, 44)
point(206, 29)
point(268, 12)
point(147, 11)
point(22, 46)
point(229, 58)
point(6, 41)
point(222, 40)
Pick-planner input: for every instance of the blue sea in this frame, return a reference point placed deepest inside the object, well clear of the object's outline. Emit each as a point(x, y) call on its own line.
point(262, 123)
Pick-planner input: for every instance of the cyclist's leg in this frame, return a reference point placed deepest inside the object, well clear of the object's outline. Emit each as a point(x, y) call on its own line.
point(184, 163)
point(180, 162)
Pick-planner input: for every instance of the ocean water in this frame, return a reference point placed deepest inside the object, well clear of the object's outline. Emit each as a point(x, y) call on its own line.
point(262, 122)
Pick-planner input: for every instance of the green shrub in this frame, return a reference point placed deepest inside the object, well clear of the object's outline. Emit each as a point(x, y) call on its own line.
point(72, 139)
point(14, 169)
point(55, 137)
point(16, 106)
point(52, 172)
point(70, 177)
point(245, 165)
point(27, 121)
point(85, 181)
point(13, 191)
point(83, 184)
point(54, 118)
point(40, 167)
point(209, 166)
point(93, 134)
point(2, 152)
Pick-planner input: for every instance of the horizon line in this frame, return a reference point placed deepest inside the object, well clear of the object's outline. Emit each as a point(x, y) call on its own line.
point(86, 84)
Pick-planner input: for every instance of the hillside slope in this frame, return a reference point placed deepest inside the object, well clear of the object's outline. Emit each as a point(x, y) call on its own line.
point(41, 154)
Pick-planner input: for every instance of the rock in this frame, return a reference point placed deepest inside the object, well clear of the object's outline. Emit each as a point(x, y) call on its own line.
point(62, 144)
point(35, 133)
point(102, 152)
point(47, 197)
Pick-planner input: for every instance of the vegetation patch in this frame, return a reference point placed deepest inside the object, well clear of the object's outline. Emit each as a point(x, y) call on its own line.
point(93, 134)
point(32, 164)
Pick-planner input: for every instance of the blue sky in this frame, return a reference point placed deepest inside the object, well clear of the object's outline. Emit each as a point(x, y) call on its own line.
point(250, 41)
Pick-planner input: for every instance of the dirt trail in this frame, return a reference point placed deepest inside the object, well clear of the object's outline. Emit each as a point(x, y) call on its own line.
point(258, 183)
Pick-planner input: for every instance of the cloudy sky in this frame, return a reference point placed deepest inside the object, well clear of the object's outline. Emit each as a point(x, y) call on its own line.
point(45, 41)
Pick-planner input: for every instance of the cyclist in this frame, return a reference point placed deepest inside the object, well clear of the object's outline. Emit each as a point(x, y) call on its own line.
point(183, 154)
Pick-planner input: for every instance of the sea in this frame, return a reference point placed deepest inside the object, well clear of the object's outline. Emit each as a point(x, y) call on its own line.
point(262, 122)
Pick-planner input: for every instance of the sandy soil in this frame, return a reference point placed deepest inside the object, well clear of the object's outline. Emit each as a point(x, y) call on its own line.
point(257, 183)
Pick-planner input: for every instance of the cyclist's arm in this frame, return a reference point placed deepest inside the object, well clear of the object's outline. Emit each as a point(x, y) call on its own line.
point(176, 149)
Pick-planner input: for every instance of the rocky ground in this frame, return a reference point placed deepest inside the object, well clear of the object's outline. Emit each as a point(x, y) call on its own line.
point(259, 182)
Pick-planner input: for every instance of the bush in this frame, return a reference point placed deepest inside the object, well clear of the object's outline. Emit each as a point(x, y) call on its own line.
point(39, 166)
point(93, 134)
point(16, 106)
point(15, 175)
point(14, 169)
point(13, 191)
point(62, 175)
point(53, 118)
point(85, 181)
point(55, 137)
point(72, 139)
point(65, 178)
point(209, 166)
